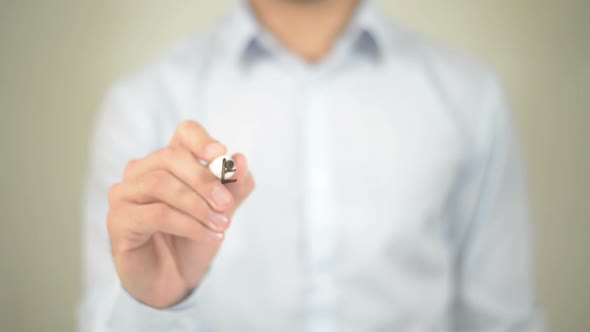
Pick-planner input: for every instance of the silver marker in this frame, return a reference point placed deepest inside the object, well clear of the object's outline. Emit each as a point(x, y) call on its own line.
point(223, 168)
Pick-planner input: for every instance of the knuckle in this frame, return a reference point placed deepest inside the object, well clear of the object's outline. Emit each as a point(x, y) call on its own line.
point(113, 222)
point(160, 211)
point(167, 156)
point(110, 221)
point(129, 168)
point(160, 178)
point(113, 194)
point(186, 127)
point(156, 181)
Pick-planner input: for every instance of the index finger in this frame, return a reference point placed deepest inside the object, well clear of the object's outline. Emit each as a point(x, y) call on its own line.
point(194, 138)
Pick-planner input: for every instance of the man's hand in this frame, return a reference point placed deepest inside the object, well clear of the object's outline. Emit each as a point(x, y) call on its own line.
point(168, 216)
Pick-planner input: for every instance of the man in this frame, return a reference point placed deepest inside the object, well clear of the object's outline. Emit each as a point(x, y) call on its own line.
point(389, 192)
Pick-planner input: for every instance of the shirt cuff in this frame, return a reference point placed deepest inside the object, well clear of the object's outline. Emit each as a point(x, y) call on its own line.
point(130, 315)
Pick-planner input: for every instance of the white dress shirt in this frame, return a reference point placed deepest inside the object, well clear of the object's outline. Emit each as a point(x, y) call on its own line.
point(390, 193)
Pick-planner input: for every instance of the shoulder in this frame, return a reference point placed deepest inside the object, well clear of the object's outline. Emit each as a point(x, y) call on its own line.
point(149, 101)
point(173, 68)
point(468, 89)
point(448, 64)
point(173, 75)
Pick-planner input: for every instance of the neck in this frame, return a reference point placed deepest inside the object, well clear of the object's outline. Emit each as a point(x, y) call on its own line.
point(309, 28)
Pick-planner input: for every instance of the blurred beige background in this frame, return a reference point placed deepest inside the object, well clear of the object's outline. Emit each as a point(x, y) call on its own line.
point(58, 57)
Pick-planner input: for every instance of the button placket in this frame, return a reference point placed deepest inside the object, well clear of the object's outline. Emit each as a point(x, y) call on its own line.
point(318, 208)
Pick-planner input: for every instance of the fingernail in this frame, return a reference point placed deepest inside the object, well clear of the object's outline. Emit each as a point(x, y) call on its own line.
point(213, 150)
point(221, 196)
point(218, 219)
point(215, 235)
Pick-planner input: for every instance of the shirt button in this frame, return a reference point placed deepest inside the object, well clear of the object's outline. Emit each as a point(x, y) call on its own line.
point(185, 323)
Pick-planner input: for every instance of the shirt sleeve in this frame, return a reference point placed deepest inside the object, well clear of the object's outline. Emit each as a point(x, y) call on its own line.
point(125, 130)
point(494, 280)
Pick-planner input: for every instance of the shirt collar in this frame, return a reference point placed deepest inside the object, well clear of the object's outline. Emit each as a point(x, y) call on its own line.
point(247, 41)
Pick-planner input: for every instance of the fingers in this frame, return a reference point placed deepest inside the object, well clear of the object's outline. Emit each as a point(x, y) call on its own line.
point(193, 137)
point(175, 182)
point(147, 219)
point(162, 186)
point(184, 166)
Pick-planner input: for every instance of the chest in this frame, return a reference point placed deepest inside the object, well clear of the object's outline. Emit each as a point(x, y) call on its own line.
point(353, 172)
point(380, 154)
